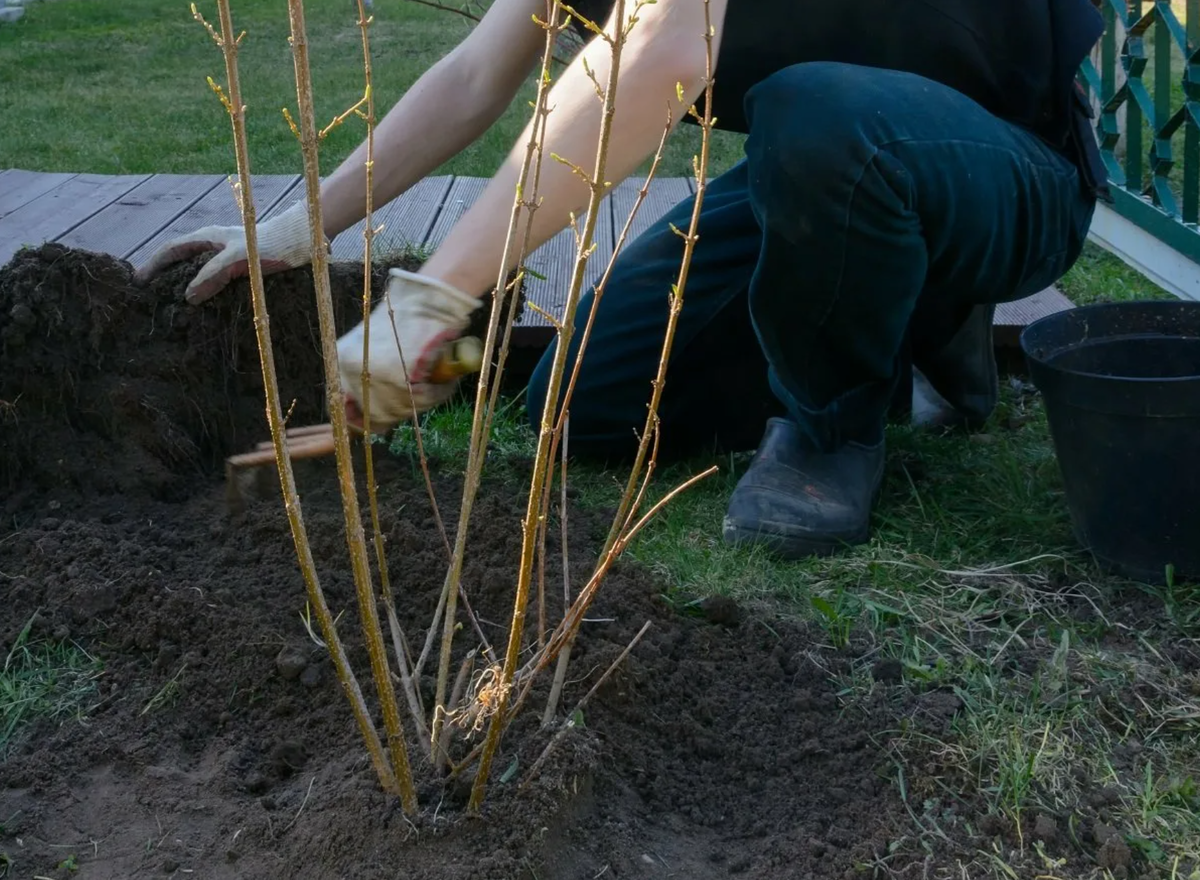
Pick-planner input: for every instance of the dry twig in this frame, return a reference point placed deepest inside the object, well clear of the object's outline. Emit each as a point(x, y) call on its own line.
point(355, 538)
point(569, 723)
point(541, 463)
point(236, 110)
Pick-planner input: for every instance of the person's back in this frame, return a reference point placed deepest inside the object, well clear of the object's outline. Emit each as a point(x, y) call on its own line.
point(1016, 58)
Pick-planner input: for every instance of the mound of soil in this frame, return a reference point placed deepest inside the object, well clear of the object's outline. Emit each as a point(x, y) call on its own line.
point(112, 387)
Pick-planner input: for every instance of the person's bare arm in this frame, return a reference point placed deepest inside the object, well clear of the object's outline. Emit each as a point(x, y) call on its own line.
point(452, 104)
point(665, 47)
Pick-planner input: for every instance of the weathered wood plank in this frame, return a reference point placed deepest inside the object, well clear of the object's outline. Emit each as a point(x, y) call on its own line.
point(406, 220)
point(555, 261)
point(121, 215)
point(19, 187)
point(61, 209)
point(217, 208)
point(1013, 317)
point(294, 193)
point(663, 195)
point(461, 196)
point(140, 214)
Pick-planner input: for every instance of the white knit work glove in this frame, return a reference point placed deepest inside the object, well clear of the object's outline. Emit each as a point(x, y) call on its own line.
point(284, 242)
point(428, 315)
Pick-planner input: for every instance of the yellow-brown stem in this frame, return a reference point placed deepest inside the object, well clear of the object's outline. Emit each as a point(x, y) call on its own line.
point(478, 443)
point(291, 500)
point(564, 660)
point(355, 538)
point(621, 534)
point(565, 632)
point(540, 460)
point(385, 583)
point(624, 508)
point(537, 140)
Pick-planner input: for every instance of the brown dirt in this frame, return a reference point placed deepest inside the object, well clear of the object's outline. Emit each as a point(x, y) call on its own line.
point(220, 743)
point(96, 367)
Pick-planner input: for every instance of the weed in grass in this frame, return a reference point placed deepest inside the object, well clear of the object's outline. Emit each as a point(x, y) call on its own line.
point(44, 678)
point(404, 254)
point(837, 615)
point(167, 695)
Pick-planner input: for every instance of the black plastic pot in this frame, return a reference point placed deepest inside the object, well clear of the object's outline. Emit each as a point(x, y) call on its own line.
point(1121, 383)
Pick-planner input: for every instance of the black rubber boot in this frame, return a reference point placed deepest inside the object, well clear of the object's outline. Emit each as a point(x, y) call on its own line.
point(963, 374)
point(799, 503)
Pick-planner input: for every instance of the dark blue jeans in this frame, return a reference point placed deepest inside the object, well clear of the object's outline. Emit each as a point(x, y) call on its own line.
point(874, 210)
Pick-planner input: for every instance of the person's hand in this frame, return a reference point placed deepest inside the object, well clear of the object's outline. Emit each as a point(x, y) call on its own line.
point(284, 242)
point(425, 315)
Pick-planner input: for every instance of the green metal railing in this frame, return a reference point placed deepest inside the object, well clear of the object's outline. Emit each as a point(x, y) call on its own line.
point(1149, 72)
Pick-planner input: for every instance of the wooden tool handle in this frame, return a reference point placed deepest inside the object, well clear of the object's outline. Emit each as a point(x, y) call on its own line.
point(462, 356)
point(314, 447)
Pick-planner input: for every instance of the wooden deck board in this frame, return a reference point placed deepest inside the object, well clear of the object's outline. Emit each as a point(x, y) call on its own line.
point(61, 209)
point(406, 221)
point(19, 187)
point(461, 196)
point(554, 259)
point(218, 207)
point(663, 195)
point(1011, 318)
point(136, 217)
point(131, 216)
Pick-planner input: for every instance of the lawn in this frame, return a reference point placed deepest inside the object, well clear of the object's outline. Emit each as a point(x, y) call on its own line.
point(1064, 681)
point(121, 89)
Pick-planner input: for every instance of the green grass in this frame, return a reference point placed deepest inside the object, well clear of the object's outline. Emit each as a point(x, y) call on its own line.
point(43, 679)
point(121, 89)
point(973, 583)
point(1099, 276)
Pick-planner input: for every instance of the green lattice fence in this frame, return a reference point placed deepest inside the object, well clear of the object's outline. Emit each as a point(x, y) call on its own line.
point(1144, 81)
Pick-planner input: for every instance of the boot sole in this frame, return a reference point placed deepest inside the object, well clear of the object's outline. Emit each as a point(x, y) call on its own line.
point(791, 548)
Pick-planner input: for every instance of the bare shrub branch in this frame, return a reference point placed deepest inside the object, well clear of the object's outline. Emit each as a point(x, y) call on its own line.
point(481, 423)
point(355, 539)
point(283, 463)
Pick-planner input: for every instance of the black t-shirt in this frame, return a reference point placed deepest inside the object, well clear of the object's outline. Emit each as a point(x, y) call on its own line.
point(1017, 58)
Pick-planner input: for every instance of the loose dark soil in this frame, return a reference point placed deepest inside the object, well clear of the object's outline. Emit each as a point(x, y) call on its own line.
point(220, 744)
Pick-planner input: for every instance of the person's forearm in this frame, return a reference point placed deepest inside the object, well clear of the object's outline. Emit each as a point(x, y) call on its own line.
point(469, 258)
point(444, 111)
